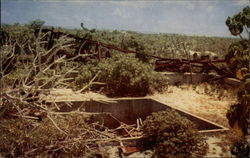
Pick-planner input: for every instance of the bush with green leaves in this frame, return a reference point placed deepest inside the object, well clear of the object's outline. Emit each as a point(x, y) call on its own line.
point(239, 113)
point(238, 56)
point(237, 23)
point(123, 75)
point(238, 52)
point(171, 135)
point(238, 60)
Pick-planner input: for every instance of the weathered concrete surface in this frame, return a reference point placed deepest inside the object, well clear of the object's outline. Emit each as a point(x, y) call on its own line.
point(175, 78)
point(128, 110)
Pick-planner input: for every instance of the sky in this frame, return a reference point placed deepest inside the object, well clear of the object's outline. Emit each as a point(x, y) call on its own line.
point(191, 17)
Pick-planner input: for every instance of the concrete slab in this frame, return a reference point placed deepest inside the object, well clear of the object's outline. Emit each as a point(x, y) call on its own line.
point(175, 78)
point(128, 110)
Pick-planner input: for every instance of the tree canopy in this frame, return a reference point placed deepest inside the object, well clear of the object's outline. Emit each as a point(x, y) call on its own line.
point(238, 22)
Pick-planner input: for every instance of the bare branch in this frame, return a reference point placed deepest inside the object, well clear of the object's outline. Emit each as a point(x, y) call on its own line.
point(55, 124)
point(89, 84)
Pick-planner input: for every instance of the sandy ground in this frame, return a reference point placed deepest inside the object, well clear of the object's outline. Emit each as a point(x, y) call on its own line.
point(69, 95)
point(203, 100)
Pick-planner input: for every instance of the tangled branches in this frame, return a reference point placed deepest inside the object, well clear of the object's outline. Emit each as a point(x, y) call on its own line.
point(28, 125)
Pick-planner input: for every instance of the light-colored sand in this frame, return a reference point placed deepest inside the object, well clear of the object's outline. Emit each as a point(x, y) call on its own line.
point(208, 102)
point(69, 95)
point(214, 149)
point(203, 100)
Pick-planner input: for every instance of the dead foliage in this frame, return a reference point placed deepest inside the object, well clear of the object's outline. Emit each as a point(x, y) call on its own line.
point(29, 127)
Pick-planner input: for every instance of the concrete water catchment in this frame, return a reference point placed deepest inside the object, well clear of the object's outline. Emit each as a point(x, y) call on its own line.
point(128, 110)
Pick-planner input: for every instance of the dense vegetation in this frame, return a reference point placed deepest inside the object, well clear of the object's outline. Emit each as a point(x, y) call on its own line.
point(123, 75)
point(22, 47)
point(171, 135)
point(165, 45)
point(24, 137)
point(238, 61)
point(29, 67)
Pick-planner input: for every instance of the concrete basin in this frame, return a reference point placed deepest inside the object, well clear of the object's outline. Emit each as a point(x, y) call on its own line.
point(128, 110)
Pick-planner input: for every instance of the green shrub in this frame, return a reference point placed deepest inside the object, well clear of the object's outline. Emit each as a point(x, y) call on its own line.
point(171, 135)
point(238, 56)
point(238, 61)
point(239, 112)
point(124, 75)
point(238, 52)
point(241, 148)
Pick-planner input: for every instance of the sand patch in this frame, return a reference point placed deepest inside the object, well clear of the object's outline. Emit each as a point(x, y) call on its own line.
point(60, 95)
point(202, 100)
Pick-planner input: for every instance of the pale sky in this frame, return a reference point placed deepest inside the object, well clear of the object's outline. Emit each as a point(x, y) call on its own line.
point(191, 17)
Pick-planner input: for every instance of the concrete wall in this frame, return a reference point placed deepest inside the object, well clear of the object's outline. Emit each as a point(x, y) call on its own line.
point(186, 78)
point(175, 78)
point(128, 110)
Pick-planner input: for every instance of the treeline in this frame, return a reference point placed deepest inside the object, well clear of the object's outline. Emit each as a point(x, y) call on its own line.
point(162, 44)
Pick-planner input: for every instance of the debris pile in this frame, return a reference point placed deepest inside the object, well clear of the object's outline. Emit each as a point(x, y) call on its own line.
point(33, 129)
